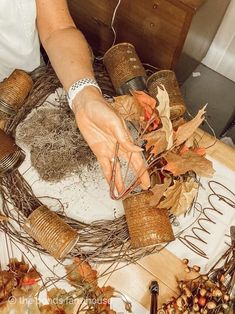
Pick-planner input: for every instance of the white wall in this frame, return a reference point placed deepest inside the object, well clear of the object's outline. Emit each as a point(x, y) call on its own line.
point(221, 54)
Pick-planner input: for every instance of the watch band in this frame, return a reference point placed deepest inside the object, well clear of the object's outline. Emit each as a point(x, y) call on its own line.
point(78, 86)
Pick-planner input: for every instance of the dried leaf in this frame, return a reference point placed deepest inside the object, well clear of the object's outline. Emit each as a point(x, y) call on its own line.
point(31, 277)
point(177, 123)
point(186, 130)
point(201, 151)
point(164, 113)
point(56, 293)
point(190, 142)
point(172, 196)
point(80, 272)
point(145, 101)
point(128, 107)
point(7, 284)
point(34, 307)
point(26, 291)
point(52, 309)
point(179, 197)
point(107, 292)
point(184, 149)
point(189, 161)
point(29, 306)
point(148, 104)
point(191, 189)
point(158, 191)
point(103, 296)
point(63, 299)
point(156, 141)
point(20, 268)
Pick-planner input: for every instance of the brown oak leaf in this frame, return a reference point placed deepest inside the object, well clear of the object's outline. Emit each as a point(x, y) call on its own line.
point(107, 292)
point(128, 107)
point(56, 293)
point(148, 104)
point(158, 191)
point(20, 268)
point(145, 101)
point(156, 141)
point(7, 284)
point(80, 272)
point(164, 113)
point(52, 309)
point(189, 161)
point(177, 123)
point(66, 299)
point(26, 291)
point(179, 197)
point(29, 306)
point(186, 130)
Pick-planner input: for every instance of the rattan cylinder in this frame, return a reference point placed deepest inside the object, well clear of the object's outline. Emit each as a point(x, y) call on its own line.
point(147, 224)
point(125, 68)
point(168, 79)
point(51, 232)
point(14, 90)
point(11, 156)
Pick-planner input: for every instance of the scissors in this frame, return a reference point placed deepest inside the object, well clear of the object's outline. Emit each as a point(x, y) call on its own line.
point(154, 290)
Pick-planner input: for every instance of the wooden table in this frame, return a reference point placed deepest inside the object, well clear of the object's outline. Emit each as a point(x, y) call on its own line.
point(165, 267)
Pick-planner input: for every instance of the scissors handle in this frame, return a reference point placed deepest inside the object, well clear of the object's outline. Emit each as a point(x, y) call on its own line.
point(154, 289)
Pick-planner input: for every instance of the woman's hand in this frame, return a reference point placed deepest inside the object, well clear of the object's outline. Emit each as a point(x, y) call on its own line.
point(102, 128)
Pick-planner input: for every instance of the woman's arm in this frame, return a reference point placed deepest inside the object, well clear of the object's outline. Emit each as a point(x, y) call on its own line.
point(70, 57)
point(64, 43)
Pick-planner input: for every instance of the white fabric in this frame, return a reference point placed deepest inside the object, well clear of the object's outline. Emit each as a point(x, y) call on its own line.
point(19, 42)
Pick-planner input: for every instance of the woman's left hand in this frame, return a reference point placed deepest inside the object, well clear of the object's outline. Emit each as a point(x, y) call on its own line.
point(103, 128)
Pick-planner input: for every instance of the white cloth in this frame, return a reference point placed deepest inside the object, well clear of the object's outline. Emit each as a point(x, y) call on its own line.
point(19, 42)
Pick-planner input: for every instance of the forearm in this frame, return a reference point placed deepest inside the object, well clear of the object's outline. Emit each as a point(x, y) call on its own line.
point(69, 55)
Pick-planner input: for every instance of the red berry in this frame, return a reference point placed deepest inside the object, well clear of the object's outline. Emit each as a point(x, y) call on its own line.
point(202, 301)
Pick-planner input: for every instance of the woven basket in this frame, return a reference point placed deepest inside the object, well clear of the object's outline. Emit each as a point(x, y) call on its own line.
point(125, 68)
point(168, 79)
point(11, 155)
point(49, 230)
point(14, 90)
point(147, 224)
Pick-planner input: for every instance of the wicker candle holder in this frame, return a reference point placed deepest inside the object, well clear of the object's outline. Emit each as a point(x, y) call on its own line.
point(147, 224)
point(168, 79)
point(13, 91)
point(11, 156)
point(51, 232)
point(125, 68)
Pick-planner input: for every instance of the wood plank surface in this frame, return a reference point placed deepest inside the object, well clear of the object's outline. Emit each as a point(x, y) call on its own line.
point(217, 149)
point(134, 280)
